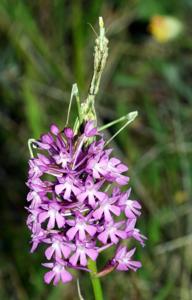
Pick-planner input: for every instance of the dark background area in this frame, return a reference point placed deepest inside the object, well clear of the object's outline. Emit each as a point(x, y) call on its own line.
point(46, 46)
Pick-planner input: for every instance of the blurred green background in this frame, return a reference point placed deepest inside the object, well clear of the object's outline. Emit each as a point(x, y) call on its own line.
point(45, 46)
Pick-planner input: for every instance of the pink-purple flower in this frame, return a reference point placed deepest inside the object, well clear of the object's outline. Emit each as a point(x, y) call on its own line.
point(76, 207)
point(59, 247)
point(52, 212)
point(80, 229)
point(91, 192)
point(58, 272)
point(82, 252)
point(132, 207)
point(112, 232)
point(124, 259)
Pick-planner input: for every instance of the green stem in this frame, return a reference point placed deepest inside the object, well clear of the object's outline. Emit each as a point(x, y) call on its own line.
point(96, 284)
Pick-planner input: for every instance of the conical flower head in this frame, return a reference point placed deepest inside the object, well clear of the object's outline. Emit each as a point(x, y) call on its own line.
point(76, 206)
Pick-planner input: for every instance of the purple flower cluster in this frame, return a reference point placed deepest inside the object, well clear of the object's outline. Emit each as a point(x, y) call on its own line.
point(76, 206)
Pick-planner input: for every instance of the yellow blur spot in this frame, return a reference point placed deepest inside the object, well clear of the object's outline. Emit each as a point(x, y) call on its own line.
point(164, 28)
point(181, 197)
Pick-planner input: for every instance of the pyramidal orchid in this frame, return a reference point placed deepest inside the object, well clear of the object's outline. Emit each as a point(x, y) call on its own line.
point(76, 206)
